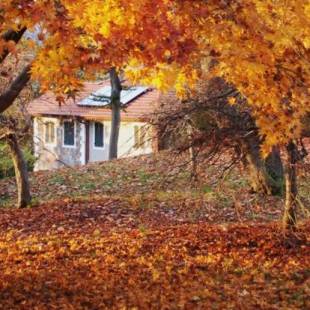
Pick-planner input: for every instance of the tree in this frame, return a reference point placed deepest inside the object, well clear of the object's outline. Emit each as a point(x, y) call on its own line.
point(261, 47)
point(9, 134)
point(9, 127)
point(115, 105)
point(11, 93)
point(221, 128)
point(116, 89)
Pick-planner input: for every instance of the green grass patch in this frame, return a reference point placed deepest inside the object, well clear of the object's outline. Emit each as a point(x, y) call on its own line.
point(57, 180)
point(88, 186)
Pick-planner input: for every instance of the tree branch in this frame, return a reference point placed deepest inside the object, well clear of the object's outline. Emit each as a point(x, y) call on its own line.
point(9, 96)
point(6, 135)
point(11, 35)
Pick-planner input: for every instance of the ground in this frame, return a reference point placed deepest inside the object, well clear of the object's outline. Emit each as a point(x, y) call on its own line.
point(139, 234)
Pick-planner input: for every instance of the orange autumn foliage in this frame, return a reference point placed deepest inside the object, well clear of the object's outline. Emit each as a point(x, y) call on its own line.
point(260, 46)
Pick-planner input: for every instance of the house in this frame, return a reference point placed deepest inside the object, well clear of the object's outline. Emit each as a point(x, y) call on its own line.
point(78, 131)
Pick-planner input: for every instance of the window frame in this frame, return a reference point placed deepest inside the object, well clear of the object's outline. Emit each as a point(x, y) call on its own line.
point(94, 136)
point(74, 135)
point(140, 135)
point(46, 123)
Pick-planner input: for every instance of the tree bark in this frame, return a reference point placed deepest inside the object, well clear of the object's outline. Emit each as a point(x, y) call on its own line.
point(21, 172)
point(9, 96)
point(275, 172)
point(11, 35)
point(116, 89)
point(289, 217)
point(192, 153)
point(266, 176)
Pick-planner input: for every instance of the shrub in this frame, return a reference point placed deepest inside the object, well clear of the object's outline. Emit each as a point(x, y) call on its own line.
point(6, 163)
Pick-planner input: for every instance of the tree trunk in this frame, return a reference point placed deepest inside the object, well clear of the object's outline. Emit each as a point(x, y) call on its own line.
point(266, 176)
point(275, 172)
point(192, 153)
point(21, 172)
point(274, 165)
point(116, 89)
point(258, 175)
point(289, 217)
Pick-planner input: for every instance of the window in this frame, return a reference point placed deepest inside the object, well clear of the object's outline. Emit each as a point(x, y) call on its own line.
point(49, 132)
point(140, 137)
point(98, 135)
point(69, 130)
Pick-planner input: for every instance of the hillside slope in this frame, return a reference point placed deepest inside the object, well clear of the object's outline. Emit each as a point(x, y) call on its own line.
point(162, 181)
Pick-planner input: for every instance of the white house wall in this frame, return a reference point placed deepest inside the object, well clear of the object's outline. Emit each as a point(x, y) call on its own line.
point(125, 141)
point(53, 156)
point(46, 154)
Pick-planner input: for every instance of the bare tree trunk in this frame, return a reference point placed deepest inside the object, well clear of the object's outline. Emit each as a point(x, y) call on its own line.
point(289, 217)
point(116, 89)
point(275, 169)
point(21, 172)
point(192, 152)
point(266, 176)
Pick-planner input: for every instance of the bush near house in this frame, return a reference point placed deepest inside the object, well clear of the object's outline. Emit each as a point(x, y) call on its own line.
point(6, 164)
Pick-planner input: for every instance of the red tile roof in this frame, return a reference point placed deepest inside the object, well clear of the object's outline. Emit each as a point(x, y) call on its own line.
point(140, 109)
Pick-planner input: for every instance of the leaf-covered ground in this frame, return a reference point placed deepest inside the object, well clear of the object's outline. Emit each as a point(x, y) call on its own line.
point(83, 258)
point(160, 181)
point(137, 234)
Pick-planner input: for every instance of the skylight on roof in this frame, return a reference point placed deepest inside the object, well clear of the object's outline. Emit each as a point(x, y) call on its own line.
point(101, 97)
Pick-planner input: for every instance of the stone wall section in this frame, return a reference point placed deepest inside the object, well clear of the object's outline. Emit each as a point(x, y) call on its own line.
point(56, 155)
